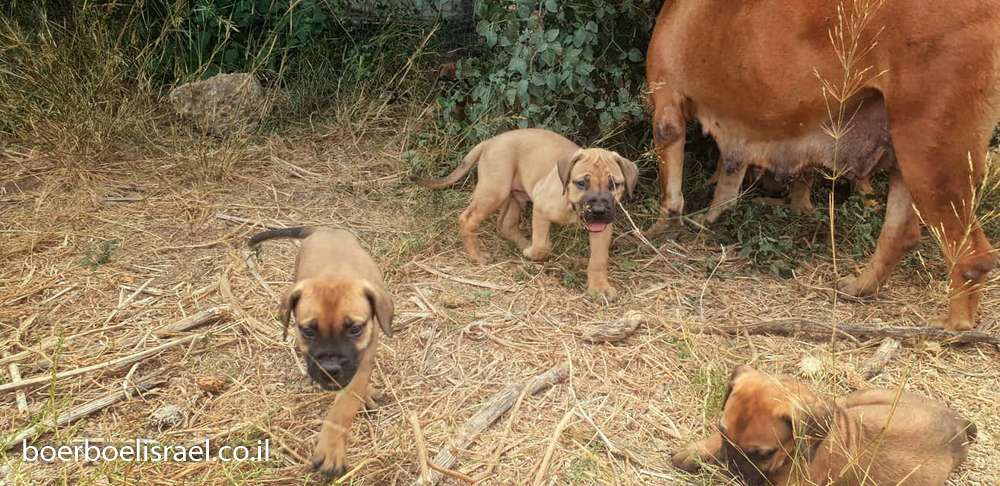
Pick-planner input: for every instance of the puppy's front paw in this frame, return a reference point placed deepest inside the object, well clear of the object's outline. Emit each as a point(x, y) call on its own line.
point(685, 460)
point(330, 458)
point(537, 254)
point(481, 257)
point(606, 292)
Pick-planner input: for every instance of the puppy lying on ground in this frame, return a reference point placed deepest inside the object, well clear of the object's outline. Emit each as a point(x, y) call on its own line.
point(775, 431)
point(565, 184)
point(336, 300)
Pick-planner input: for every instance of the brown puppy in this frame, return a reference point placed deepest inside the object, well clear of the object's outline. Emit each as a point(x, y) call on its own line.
point(565, 184)
point(775, 431)
point(337, 299)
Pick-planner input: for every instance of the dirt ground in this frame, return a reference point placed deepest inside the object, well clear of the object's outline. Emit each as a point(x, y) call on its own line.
point(71, 262)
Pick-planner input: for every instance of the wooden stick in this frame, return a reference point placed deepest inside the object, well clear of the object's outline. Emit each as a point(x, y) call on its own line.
point(148, 290)
point(127, 300)
point(125, 360)
point(142, 384)
point(859, 331)
point(877, 362)
point(237, 219)
point(553, 442)
point(418, 437)
point(494, 407)
point(185, 324)
point(612, 332)
point(15, 376)
point(454, 474)
point(124, 199)
point(474, 283)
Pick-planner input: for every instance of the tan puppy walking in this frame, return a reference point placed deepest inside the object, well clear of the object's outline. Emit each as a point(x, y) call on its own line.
point(337, 299)
point(566, 185)
point(776, 431)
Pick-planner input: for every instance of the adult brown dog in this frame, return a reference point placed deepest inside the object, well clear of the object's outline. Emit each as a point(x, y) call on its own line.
point(776, 431)
point(336, 300)
point(565, 184)
point(921, 101)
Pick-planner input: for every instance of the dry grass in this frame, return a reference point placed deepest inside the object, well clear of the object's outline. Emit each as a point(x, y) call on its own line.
point(67, 261)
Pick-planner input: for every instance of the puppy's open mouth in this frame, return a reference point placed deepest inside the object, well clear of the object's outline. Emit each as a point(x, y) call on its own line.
point(596, 226)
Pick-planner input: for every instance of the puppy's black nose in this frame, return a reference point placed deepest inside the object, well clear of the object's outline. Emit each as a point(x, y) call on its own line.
point(332, 366)
point(599, 209)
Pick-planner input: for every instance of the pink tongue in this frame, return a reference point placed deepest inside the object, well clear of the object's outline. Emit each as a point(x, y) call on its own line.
point(596, 227)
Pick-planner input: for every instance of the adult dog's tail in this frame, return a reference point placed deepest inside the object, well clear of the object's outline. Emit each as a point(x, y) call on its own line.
point(467, 162)
point(296, 232)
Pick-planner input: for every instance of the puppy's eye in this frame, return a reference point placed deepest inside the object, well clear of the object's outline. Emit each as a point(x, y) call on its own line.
point(356, 330)
point(761, 454)
point(581, 184)
point(308, 333)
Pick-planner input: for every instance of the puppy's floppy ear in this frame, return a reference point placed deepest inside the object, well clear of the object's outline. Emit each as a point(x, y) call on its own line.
point(381, 306)
point(565, 166)
point(737, 371)
point(630, 171)
point(288, 303)
point(810, 418)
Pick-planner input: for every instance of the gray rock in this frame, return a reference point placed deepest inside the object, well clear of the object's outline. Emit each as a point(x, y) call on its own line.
point(221, 105)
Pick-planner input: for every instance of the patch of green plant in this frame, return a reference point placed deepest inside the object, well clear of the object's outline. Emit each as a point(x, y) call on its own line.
point(482, 297)
point(763, 236)
point(712, 380)
point(681, 346)
point(101, 255)
point(577, 473)
point(574, 279)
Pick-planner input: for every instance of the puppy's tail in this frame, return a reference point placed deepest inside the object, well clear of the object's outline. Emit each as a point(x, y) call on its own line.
point(470, 160)
point(296, 232)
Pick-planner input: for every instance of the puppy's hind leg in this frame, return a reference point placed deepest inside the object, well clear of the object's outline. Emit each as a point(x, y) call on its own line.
point(540, 248)
point(485, 200)
point(508, 221)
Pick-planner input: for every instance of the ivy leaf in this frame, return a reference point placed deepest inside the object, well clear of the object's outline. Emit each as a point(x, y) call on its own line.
point(510, 94)
point(491, 38)
point(518, 64)
point(522, 88)
point(537, 79)
point(551, 6)
point(551, 34)
point(552, 80)
point(634, 55)
point(584, 68)
point(591, 26)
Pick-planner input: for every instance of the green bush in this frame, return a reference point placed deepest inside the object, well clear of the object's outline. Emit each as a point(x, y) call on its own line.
point(213, 36)
point(573, 67)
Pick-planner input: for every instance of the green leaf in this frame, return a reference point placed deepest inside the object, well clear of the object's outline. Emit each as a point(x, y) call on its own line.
point(591, 26)
point(551, 34)
point(537, 79)
point(518, 64)
point(584, 68)
point(552, 80)
point(491, 38)
point(634, 55)
point(551, 6)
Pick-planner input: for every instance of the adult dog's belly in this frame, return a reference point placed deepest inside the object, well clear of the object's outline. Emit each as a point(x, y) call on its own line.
point(853, 148)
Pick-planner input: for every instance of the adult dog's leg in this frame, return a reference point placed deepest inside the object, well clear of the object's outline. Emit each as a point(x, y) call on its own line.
point(668, 137)
point(900, 234)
